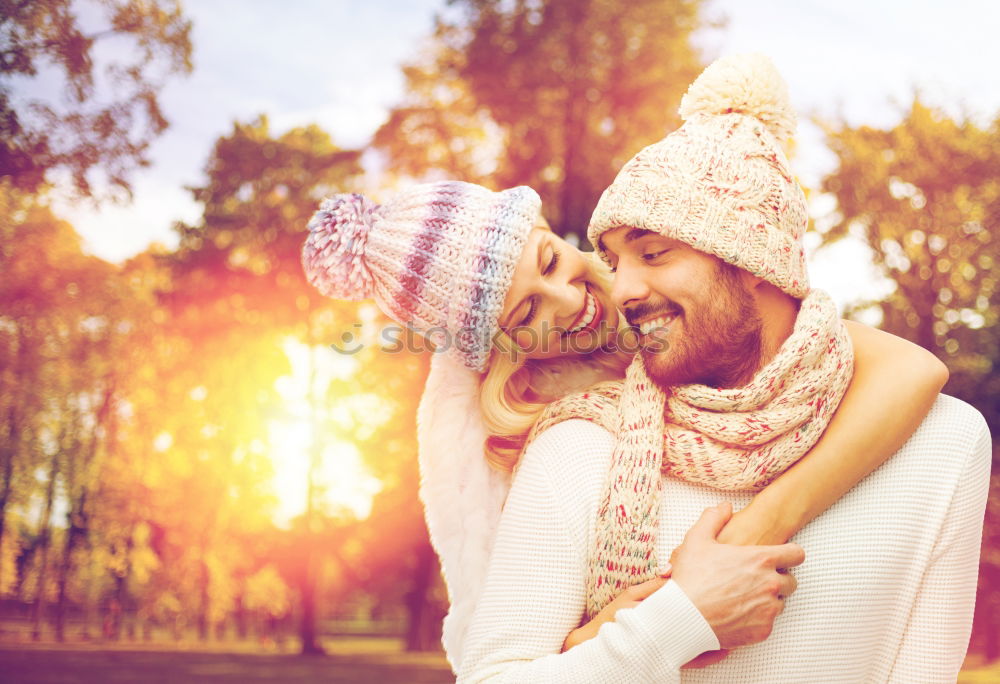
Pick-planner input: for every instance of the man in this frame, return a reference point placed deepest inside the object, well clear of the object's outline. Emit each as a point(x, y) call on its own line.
point(704, 230)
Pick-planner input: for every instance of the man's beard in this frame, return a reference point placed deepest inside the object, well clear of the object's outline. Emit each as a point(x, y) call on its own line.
point(720, 344)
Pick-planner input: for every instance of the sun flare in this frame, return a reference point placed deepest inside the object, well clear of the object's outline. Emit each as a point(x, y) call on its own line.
point(343, 483)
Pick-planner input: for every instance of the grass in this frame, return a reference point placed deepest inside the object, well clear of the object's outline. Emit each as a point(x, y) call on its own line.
point(76, 664)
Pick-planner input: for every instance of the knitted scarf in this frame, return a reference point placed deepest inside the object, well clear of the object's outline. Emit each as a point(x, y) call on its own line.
point(738, 439)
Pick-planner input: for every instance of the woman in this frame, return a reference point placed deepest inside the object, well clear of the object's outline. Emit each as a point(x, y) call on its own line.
point(522, 318)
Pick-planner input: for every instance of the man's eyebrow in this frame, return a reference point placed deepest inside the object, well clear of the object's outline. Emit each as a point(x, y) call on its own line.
point(631, 236)
point(637, 233)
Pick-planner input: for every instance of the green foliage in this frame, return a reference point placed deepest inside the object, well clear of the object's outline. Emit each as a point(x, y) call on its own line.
point(555, 94)
point(925, 196)
point(259, 194)
point(113, 111)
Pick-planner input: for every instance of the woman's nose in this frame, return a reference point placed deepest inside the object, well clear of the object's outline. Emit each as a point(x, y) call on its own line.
point(568, 297)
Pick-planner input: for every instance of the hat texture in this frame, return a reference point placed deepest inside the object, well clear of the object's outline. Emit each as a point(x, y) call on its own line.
point(438, 257)
point(721, 182)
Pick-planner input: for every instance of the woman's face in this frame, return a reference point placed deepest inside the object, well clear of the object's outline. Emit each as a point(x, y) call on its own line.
point(556, 305)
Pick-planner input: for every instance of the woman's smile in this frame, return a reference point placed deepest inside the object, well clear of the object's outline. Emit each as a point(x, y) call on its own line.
point(589, 316)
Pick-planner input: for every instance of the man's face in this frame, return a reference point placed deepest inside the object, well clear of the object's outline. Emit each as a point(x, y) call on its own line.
point(696, 319)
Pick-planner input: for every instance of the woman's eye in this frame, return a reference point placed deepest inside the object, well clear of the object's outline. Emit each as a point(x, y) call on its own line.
point(531, 313)
point(551, 266)
point(649, 256)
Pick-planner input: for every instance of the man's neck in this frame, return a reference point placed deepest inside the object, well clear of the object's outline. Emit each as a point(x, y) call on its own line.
point(778, 311)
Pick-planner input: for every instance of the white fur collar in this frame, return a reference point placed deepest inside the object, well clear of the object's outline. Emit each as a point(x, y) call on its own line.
point(462, 495)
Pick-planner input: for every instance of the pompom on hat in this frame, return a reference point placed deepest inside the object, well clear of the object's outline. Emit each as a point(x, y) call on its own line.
point(721, 182)
point(437, 257)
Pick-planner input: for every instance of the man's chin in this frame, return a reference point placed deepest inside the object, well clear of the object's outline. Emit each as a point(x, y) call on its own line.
point(666, 370)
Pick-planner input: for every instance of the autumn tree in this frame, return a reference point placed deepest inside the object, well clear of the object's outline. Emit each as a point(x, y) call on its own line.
point(67, 318)
point(65, 105)
point(924, 195)
point(244, 259)
point(555, 94)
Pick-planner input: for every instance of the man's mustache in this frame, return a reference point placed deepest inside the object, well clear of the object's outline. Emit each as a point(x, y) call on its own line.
point(636, 313)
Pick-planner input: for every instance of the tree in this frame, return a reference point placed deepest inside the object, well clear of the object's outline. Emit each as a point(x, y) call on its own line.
point(258, 198)
point(565, 90)
point(925, 197)
point(63, 312)
point(112, 113)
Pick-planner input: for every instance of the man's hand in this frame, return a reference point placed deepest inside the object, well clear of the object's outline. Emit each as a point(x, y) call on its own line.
point(740, 590)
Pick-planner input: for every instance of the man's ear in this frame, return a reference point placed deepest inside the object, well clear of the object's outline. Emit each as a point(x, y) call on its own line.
point(750, 281)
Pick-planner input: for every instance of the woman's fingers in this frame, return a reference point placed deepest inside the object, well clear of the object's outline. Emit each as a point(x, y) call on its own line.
point(705, 659)
point(638, 592)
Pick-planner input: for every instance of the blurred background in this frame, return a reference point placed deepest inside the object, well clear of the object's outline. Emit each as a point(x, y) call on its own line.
point(187, 463)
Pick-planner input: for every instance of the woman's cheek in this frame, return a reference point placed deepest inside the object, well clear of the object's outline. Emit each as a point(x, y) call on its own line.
point(551, 342)
point(523, 339)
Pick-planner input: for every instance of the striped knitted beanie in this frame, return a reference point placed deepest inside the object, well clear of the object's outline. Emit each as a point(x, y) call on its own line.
point(721, 182)
point(438, 258)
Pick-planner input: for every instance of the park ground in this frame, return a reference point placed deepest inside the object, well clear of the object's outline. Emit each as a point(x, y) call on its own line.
point(349, 661)
point(379, 661)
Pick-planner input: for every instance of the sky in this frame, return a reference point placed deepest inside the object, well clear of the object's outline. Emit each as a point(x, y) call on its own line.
point(337, 63)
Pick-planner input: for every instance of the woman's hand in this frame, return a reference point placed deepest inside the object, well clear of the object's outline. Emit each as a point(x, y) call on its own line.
point(629, 598)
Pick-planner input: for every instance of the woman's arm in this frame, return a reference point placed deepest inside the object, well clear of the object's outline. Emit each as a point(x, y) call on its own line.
point(894, 385)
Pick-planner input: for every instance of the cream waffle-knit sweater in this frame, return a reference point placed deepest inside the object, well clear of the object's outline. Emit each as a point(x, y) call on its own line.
point(886, 593)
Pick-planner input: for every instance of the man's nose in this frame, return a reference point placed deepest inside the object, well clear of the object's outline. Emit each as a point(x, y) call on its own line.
point(628, 287)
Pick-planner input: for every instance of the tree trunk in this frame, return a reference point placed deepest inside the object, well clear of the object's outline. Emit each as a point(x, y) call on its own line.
point(423, 631)
point(75, 535)
point(9, 454)
point(573, 212)
point(78, 516)
point(44, 538)
point(13, 446)
point(241, 613)
point(205, 598)
point(307, 628)
point(121, 589)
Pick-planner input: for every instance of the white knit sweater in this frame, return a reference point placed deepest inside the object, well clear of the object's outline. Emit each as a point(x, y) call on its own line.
point(886, 593)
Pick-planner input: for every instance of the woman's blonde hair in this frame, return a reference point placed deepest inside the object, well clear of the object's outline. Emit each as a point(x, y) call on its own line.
point(509, 397)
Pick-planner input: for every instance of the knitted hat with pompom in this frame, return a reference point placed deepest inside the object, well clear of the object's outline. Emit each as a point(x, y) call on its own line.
point(438, 258)
point(721, 182)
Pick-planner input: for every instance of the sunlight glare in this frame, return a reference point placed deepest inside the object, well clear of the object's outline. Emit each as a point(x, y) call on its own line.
point(343, 483)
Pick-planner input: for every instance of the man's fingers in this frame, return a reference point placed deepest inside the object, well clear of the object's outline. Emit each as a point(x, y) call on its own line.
point(711, 522)
point(788, 585)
